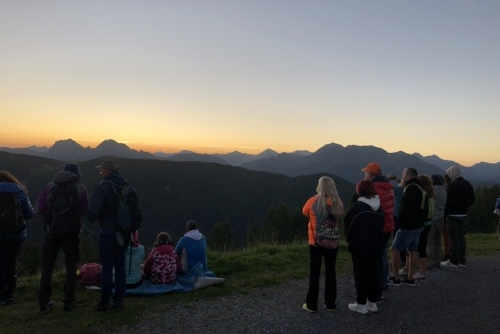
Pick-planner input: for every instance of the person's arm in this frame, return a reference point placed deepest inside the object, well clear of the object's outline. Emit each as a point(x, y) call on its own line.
point(26, 206)
point(308, 206)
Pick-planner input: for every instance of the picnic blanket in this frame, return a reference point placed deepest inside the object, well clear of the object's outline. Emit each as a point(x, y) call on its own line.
point(196, 278)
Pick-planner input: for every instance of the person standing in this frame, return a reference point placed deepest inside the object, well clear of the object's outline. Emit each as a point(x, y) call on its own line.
point(410, 226)
point(317, 209)
point(385, 191)
point(62, 204)
point(15, 207)
point(460, 198)
point(112, 243)
point(364, 229)
point(434, 243)
point(192, 248)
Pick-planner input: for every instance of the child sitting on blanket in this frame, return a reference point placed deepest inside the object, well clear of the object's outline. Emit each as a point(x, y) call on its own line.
point(162, 264)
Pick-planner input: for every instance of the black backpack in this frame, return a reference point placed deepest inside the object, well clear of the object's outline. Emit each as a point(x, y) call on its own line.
point(62, 214)
point(128, 207)
point(11, 214)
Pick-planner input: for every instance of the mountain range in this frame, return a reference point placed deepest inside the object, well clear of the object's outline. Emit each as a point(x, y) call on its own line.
point(345, 162)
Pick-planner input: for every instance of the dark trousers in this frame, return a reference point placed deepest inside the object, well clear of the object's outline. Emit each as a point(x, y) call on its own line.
point(112, 255)
point(8, 255)
point(456, 232)
point(422, 242)
point(365, 271)
point(316, 255)
point(69, 244)
point(383, 266)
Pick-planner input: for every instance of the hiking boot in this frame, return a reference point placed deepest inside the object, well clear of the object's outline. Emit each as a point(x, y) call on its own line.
point(419, 276)
point(47, 307)
point(371, 307)
point(408, 282)
point(403, 272)
point(360, 308)
point(101, 306)
point(69, 306)
point(307, 308)
point(448, 264)
point(394, 282)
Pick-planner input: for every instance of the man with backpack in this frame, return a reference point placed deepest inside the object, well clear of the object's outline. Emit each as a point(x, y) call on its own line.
point(62, 204)
point(113, 242)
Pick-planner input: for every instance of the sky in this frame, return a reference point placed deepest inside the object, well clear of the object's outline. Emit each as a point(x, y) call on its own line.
point(222, 76)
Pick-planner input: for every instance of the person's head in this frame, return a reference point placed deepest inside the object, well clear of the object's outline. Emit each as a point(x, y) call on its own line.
point(327, 190)
point(408, 174)
point(366, 189)
point(106, 168)
point(8, 177)
point(163, 238)
point(372, 170)
point(437, 180)
point(453, 172)
point(135, 239)
point(426, 184)
point(73, 168)
point(191, 225)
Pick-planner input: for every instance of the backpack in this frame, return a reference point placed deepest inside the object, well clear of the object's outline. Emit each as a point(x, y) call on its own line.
point(62, 215)
point(89, 274)
point(427, 205)
point(11, 214)
point(129, 208)
point(327, 232)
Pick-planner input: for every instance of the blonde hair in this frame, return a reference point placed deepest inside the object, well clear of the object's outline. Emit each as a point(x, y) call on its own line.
point(326, 189)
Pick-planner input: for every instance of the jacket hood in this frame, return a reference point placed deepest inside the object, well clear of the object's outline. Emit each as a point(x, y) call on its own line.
point(194, 234)
point(65, 176)
point(453, 172)
point(373, 202)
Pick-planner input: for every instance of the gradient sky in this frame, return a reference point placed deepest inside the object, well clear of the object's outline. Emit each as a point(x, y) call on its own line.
point(219, 76)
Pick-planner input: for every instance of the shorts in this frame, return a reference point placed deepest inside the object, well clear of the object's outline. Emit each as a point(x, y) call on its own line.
point(406, 240)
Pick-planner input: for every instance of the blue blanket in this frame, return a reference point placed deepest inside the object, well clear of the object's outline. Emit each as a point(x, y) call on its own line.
point(196, 278)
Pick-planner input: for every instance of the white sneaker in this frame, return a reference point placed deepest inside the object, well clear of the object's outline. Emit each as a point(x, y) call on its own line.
point(360, 308)
point(419, 276)
point(403, 272)
point(448, 264)
point(371, 307)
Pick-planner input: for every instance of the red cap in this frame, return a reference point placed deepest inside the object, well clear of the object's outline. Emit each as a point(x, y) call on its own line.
point(372, 167)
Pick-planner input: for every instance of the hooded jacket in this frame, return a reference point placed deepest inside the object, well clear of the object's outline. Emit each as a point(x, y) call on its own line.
point(460, 193)
point(364, 225)
point(192, 249)
point(385, 191)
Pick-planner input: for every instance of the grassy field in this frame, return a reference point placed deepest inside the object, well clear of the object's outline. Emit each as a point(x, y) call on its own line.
point(248, 269)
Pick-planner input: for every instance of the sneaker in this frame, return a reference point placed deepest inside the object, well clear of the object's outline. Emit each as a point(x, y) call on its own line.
point(371, 307)
point(462, 265)
point(307, 308)
point(403, 272)
point(419, 276)
point(360, 308)
point(47, 307)
point(69, 306)
point(408, 282)
point(330, 309)
point(101, 307)
point(448, 264)
point(394, 282)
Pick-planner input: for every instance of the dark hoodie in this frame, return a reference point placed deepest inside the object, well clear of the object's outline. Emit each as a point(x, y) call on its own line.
point(460, 193)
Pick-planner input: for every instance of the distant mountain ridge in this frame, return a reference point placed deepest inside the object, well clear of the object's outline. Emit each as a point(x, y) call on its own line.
point(345, 162)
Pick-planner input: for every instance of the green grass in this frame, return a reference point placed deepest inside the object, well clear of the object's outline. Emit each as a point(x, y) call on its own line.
point(244, 270)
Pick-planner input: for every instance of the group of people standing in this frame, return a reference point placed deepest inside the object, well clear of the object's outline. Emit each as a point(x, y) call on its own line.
point(380, 209)
point(62, 205)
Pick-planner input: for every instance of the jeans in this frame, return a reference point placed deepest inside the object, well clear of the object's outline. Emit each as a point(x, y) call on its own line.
point(8, 254)
point(456, 230)
point(112, 255)
point(70, 245)
point(365, 270)
point(316, 255)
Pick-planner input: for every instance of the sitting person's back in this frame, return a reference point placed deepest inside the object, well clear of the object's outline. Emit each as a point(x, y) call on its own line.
point(192, 247)
point(133, 262)
point(162, 263)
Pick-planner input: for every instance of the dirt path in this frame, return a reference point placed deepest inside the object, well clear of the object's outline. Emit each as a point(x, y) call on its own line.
point(452, 300)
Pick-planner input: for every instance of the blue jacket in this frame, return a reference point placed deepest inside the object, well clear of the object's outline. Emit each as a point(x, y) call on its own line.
point(192, 249)
point(26, 207)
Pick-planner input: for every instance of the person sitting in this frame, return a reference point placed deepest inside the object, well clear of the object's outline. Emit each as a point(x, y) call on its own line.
point(192, 248)
point(162, 264)
point(133, 262)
